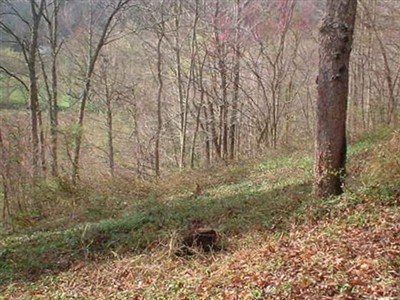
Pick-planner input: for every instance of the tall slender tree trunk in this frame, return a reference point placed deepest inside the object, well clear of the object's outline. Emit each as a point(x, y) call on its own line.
point(33, 86)
point(194, 50)
point(42, 143)
point(336, 38)
point(224, 113)
point(159, 100)
point(207, 144)
point(222, 70)
point(110, 135)
point(182, 97)
point(51, 83)
point(34, 101)
point(198, 114)
point(213, 129)
point(236, 81)
point(79, 134)
point(5, 175)
point(55, 47)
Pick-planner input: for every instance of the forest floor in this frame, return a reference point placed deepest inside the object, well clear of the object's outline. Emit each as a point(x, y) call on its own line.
point(275, 240)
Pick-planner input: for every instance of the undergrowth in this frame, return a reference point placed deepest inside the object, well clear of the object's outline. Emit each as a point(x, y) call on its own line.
point(267, 205)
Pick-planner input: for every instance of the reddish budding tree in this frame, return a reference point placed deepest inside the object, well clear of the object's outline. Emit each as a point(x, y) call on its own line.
point(336, 38)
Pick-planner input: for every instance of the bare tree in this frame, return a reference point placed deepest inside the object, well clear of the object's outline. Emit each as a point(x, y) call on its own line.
point(94, 52)
point(388, 73)
point(236, 82)
point(51, 16)
point(160, 82)
point(28, 42)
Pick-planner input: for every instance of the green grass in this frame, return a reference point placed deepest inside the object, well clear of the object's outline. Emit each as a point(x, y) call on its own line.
point(19, 98)
point(232, 204)
point(230, 209)
point(370, 140)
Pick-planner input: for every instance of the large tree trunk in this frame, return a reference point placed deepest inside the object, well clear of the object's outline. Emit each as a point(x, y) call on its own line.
point(336, 38)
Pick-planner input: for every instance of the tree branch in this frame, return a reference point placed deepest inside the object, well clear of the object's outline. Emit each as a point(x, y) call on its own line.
point(15, 77)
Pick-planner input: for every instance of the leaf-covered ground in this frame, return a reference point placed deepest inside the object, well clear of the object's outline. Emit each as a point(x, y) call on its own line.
point(345, 247)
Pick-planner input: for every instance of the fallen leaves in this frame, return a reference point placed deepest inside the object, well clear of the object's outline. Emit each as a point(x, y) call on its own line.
point(355, 255)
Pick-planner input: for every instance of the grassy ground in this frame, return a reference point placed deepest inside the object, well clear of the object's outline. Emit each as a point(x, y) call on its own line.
point(277, 241)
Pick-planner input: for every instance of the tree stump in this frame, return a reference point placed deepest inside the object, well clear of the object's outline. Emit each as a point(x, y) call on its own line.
point(200, 237)
point(203, 238)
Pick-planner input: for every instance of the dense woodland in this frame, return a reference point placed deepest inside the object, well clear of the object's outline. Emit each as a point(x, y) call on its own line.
point(141, 87)
point(107, 102)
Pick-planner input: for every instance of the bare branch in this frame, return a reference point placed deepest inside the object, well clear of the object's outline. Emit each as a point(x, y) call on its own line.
point(15, 77)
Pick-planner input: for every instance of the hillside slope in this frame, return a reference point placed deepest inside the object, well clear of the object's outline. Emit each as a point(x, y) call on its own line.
point(276, 241)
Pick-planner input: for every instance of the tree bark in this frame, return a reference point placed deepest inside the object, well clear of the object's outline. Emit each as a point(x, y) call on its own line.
point(236, 81)
point(33, 86)
point(5, 175)
point(55, 47)
point(159, 100)
point(223, 73)
point(182, 97)
point(110, 135)
point(336, 38)
point(194, 51)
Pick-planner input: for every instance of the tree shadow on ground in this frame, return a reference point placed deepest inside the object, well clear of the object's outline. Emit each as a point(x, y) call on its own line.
point(247, 209)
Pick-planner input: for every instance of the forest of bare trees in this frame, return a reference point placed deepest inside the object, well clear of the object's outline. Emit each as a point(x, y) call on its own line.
point(138, 88)
point(199, 149)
